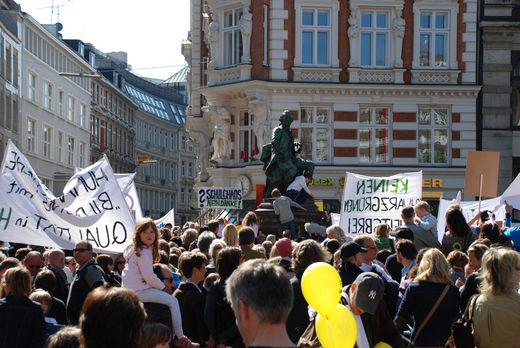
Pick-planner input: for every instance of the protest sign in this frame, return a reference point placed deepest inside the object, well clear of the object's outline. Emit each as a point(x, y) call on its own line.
point(220, 197)
point(92, 207)
point(370, 201)
point(469, 209)
point(482, 174)
point(168, 218)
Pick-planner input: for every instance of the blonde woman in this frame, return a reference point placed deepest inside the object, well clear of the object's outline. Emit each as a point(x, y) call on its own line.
point(496, 317)
point(230, 235)
point(188, 237)
point(433, 275)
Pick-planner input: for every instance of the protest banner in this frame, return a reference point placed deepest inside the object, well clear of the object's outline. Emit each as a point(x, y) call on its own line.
point(127, 185)
point(168, 218)
point(370, 201)
point(512, 194)
point(220, 197)
point(92, 207)
point(469, 209)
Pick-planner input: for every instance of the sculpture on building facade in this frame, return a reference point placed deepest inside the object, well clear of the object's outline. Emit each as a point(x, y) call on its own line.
point(221, 127)
point(398, 27)
point(261, 121)
point(281, 157)
point(246, 28)
point(214, 29)
point(353, 34)
point(200, 143)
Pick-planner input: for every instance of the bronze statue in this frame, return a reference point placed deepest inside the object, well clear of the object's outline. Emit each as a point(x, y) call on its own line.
point(281, 157)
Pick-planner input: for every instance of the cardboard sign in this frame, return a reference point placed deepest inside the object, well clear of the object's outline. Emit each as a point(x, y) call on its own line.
point(370, 201)
point(220, 197)
point(487, 164)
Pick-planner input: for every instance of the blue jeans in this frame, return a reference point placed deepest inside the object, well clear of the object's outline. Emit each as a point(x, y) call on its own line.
point(298, 196)
point(291, 227)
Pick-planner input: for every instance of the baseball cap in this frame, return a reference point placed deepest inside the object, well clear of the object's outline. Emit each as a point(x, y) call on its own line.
point(350, 249)
point(403, 233)
point(284, 247)
point(369, 291)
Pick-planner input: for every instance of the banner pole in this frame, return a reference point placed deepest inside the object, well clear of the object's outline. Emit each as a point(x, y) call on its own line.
point(480, 191)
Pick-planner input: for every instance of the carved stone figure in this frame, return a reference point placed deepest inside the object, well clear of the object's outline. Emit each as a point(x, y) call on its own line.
point(261, 121)
point(280, 157)
point(214, 28)
point(200, 143)
point(221, 124)
point(353, 34)
point(398, 27)
point(246, 27)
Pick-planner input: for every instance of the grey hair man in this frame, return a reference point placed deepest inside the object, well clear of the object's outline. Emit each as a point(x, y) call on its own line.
point(261, 296)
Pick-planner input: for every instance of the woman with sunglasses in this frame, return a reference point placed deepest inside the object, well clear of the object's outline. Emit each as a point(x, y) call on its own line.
point(119, 264)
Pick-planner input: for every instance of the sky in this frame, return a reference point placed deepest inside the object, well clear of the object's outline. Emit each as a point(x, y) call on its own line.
point(150, 32)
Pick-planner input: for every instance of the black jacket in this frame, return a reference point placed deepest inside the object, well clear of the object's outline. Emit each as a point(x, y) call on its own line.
point(62, 289)
point(349, 272)
point(191, 303)
point(298, 319)
point(87, 278)
point(219, 317)
point(21, 323)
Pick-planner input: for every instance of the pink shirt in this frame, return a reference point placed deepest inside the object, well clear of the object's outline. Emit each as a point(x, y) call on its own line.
point(138, 272)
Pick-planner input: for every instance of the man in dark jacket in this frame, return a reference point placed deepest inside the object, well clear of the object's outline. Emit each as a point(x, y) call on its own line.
point(374, 324)
point(351, 260)
point(56, 264)
point(88, 277)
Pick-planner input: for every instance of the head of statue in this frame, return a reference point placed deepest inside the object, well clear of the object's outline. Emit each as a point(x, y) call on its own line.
point(286, 118)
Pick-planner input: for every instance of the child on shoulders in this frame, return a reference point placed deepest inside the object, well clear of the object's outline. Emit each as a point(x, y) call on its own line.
point(424, 219)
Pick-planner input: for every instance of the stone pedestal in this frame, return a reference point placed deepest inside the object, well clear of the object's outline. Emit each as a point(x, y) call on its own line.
point(269, 222)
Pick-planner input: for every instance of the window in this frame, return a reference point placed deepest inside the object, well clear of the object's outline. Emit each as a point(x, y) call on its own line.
point(183, 168)
point(47, 95)
point(266, 33)
point(190, 169)
point(47, 138)
point(190, 195)
point(8, 62)
point(433, 37)
point(70, 151)
point(31, 135)
point(70, 113)
point(60, 103)
point(315, 134)
point(183, 195)
point(247, 143)
point(232, 37)
point(59, 148)
point(316, 32)
point(374, 38)
point(31, 87)
point(82, 112)
point(82, 154)
point(374, 133)
point(433, 135)
point(184, 142)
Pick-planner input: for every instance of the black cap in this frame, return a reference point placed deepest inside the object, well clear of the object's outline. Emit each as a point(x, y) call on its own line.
point(350, 249)
point(403, 232)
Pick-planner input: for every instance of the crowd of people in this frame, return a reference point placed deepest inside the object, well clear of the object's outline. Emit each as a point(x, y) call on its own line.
point(216, 286)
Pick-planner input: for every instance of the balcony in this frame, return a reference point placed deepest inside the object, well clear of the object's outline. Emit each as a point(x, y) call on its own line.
point(433, 76)
point(316, 74)
point(368, 75)
point(232, 74)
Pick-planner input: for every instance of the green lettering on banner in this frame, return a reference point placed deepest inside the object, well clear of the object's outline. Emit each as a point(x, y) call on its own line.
point(6, 219)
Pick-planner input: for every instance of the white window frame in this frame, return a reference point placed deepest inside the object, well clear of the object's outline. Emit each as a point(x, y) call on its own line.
point(71, 105)
point(235, 30)
point(314, 125)
point(47, 95)
point(251, 138)
point(59, 146)
point(433, 32)
point(373, 31)
point(32, 79)
point(452, 8)
point(31, 134)
point(71, 144)
point(432, 127)
point(333, 7)
point(82, 114)
point(373, 126)
point(60, 102)
point(82, 153)
point(46, 141)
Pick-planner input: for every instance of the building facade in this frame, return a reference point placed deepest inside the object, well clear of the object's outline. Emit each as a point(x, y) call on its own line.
point(500, 78)
point(55, 108)
point(10, 73)
point(375, 87)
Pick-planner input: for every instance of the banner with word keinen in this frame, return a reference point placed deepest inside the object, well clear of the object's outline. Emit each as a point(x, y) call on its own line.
point(92, 207)
point(220, 197)
point(370, 201)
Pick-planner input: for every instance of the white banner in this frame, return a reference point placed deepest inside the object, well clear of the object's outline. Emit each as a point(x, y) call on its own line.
point(469, 209)
point(370, 201)
point(168, 218)
point(92, 207)
point(220, 197)
point(512, 194)
point(127, 186)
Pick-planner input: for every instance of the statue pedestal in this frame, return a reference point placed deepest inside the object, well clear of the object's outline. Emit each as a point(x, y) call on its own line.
point(269, 222)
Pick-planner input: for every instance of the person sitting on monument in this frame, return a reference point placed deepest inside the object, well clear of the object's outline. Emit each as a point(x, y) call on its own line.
point(298, 190)
point(282, 207)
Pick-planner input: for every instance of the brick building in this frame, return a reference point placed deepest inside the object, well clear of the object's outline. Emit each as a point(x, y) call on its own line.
point(375, 87)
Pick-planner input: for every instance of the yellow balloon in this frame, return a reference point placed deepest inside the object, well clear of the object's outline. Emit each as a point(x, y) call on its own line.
point(321, 287)
point(382, 345)
point(339, 331)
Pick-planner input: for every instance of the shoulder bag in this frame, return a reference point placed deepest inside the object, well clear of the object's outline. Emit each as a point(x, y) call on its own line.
point(461, 330)
point(428, 317)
